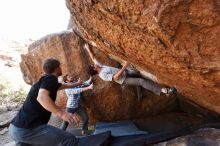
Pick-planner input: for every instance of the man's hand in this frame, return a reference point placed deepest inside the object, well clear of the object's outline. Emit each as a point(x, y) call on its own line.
point(79, 81)
point(90, 86)
point(70, 118)
point(90, 79)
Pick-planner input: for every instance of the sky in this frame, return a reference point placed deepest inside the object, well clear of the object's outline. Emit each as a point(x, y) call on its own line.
point(24, 19)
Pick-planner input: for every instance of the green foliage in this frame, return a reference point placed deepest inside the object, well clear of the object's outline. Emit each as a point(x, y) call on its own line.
point(2, 88)
point(2, 91)
point(8, 95)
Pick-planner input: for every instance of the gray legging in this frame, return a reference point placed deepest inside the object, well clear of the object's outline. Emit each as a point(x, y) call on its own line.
point(145, 83)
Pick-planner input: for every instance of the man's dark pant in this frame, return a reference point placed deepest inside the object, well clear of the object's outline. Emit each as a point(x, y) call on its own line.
point(82, 113)
point(44, 135)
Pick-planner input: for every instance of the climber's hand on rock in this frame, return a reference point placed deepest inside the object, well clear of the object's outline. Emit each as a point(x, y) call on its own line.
point(126, 64)
point(86, 46)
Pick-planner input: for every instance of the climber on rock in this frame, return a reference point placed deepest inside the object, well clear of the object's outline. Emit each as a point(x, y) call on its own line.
point(121, 76)
point(73, 102)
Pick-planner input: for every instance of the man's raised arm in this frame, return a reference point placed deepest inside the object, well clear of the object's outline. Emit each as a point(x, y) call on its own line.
point(70, 85)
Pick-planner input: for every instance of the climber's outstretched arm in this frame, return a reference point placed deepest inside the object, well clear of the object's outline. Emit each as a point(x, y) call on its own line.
point(120, 72)
point(91, 54)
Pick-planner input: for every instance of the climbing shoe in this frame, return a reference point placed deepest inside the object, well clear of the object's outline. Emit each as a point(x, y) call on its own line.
point(171, 91)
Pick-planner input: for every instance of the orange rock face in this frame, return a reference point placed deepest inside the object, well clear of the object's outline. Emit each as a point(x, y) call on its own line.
point(176, 41)
point(109, 101)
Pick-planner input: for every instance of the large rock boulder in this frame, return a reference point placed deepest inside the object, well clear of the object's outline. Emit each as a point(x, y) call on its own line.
point(176, 41)
point(109, 101)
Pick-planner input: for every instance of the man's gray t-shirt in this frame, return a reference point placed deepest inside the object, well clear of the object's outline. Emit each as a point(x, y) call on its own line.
point(107, 73)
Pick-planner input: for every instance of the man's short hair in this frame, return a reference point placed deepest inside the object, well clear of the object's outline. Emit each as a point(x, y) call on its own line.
point(65, 77)
point(91, 70)
point(50, 65)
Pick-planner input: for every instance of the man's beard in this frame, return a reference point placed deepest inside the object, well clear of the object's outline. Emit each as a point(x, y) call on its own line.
point(59, 73)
